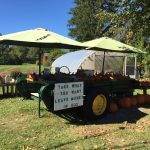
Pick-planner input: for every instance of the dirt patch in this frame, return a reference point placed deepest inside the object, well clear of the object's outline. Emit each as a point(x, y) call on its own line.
point(93, 130)
point(14, 124)
point(131, 120)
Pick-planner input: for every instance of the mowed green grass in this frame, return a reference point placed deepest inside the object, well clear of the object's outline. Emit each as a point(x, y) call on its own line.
point(6, 69)
point(20, 128)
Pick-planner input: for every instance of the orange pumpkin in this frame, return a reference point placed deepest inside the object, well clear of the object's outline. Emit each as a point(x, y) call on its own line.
point(33, 77)
point(97, 77)
point(113, 107)
point(140, 99)
point(93, 78)
point(147, 98)
point(133, 101)
point(125, 102)
point(85, 78)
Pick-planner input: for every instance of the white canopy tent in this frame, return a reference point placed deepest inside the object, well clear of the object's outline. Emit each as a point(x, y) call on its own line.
point(91, 61)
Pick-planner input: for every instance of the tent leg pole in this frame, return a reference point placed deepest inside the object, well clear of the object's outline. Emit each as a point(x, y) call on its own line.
point(103, 64)
point(40, 54)
point(39, 105)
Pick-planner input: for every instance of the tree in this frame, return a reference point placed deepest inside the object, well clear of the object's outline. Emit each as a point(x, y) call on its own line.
point(4, 52)
point(130, 24)
point(54, 54)
point(83, 25)
point(32, 55)
point(17, 54)
point(131, 16)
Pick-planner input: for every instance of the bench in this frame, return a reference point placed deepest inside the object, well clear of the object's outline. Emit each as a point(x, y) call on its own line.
point(37, 95)
point(8, 90)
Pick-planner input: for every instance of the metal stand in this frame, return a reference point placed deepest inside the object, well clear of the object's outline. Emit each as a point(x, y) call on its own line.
point(103, 67)
point(40, 55)
point(39, 105)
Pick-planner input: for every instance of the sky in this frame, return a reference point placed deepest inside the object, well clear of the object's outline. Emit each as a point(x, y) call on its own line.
point(19, 15)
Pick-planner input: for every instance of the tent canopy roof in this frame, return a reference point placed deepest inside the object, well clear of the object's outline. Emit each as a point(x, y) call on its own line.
point(108, 44)
point(72, 60)
point(43, 38)
point(39, 37)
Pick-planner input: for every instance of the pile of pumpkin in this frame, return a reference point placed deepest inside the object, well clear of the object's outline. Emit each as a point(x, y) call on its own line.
point(32, 77)
point(145, 82)
point(127, 102)
point(107, 76)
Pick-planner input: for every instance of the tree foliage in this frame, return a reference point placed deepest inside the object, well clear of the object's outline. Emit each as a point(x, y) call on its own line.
point(17, 55)
point(130, 24)
point(130, 20)
point(53, 54)
point(83, 25)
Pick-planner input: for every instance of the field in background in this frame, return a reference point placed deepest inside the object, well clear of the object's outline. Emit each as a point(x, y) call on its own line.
point(6, 69)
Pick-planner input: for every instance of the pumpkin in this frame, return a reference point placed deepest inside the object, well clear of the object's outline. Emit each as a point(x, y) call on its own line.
point(33, 77)
point(140, 99)
point(29, 80)
point(147, 98)
point(93, 78)
point(97, 77)
point(113, 107)
point(133, 101)
point(125, 102)
point(85, 78)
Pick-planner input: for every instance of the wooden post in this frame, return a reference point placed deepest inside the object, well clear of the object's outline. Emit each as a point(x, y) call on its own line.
point(3, 89)
point(7, 87)
point(12, 89)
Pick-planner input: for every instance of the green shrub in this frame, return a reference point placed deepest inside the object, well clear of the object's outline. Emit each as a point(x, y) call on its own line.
point(16, 74)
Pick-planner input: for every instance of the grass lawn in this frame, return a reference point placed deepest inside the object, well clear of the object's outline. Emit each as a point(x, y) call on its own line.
point(141, 92)
point(6, 69)
point(20, 128)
